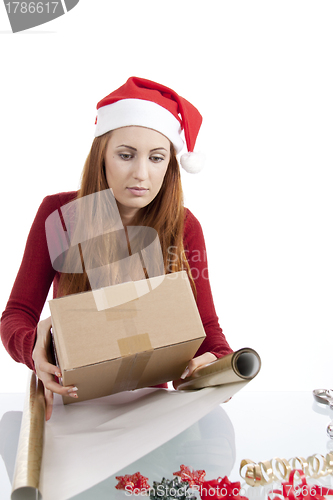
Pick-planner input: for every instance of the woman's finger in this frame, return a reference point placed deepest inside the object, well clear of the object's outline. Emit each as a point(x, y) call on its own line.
point(48, 403)
point(53, 387)
point(46, 367)
point(48, 394)
point(195, 363)
point(69, 390)
point(189, 369)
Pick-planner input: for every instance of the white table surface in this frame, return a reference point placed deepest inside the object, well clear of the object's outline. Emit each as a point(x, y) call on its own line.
point(254, 425)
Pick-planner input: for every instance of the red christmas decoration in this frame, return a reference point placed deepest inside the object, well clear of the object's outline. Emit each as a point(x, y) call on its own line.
point(220, 489)
point(301, 491)
point(134, 483)
point(193, 477)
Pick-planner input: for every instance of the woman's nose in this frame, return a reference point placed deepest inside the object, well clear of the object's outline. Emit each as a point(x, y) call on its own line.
point(141, 169)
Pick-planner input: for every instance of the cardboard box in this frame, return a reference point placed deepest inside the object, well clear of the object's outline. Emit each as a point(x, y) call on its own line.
point(126, 336)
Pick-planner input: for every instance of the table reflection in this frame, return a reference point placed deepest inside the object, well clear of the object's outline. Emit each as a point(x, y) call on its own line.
point(210, 441)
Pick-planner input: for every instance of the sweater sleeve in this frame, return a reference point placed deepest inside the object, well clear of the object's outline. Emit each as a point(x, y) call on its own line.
point(20, 318)
point(195, 249)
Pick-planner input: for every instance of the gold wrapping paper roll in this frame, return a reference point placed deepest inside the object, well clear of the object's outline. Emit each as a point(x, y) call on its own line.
point(30, 446)
point(238, 366)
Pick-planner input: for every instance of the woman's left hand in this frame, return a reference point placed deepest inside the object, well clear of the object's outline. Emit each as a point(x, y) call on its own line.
point(193, 365)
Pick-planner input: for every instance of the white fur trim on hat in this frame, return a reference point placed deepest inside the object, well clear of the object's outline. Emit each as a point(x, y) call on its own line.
point(141, 113)
point(192, 162)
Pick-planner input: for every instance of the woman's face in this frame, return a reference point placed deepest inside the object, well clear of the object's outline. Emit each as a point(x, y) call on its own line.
point(136, 160)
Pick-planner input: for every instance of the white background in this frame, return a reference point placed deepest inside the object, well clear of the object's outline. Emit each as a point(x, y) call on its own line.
point(261, 74)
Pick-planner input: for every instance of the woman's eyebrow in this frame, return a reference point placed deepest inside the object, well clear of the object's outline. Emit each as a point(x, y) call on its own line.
point(125, 146)
point(158, 149)
point(134, 149)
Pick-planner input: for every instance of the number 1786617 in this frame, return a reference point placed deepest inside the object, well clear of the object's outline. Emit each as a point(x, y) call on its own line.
point(31, 7)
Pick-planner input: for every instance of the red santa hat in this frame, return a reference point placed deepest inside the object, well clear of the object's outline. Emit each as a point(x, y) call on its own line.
point(148, 104)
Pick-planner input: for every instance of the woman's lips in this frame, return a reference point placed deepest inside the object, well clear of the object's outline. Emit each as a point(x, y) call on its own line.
point(137, 191)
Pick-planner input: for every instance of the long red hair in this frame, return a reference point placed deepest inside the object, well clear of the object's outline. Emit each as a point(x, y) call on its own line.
point(165, 214)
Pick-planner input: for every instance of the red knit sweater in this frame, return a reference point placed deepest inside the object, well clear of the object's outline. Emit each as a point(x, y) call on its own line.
point(36, 275)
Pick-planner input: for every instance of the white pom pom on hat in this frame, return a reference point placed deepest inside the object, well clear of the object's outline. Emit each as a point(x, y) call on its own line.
point(192, 162)
point(149, 104)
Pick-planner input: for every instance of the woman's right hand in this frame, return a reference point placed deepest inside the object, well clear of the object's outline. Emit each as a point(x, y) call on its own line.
point(45, 370)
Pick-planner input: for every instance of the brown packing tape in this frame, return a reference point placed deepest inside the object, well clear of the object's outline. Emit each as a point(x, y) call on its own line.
point(134, 344)
point(122, 382)
point(130, 372)
point(140, 362)
point(136, 351)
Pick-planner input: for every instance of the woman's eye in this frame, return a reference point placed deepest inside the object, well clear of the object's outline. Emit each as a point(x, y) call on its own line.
point(125, 156)
point(156, 159)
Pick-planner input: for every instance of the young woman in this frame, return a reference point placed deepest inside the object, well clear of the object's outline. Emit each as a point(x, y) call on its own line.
point(137, 138)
